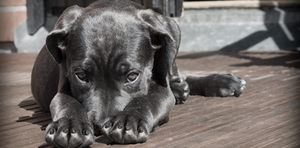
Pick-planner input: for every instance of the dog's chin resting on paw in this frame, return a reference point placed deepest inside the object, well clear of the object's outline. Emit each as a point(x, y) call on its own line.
point(109, 69)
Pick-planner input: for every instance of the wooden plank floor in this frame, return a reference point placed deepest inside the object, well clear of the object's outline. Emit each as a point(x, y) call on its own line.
point(265, 115)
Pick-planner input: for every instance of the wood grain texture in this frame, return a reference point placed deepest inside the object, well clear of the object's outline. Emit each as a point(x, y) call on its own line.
point(265, 115)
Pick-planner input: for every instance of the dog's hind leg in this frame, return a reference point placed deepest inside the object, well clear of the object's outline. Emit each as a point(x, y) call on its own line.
point(216, 85)
point(44, 79)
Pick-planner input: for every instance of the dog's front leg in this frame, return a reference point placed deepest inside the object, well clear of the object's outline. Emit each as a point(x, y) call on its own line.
point(70, 127)
point(140, 116)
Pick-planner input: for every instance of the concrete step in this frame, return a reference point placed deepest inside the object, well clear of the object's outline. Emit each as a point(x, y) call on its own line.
point(240, 29)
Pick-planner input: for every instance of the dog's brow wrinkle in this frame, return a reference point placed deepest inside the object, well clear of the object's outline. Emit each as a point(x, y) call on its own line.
point(124, 68)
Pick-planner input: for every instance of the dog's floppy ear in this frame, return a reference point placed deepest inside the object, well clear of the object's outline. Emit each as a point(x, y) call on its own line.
point(57, 40)
point(165, 39)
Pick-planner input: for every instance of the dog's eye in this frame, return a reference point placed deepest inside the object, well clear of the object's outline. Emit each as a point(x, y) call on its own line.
point(132, 76)
point(82, 76)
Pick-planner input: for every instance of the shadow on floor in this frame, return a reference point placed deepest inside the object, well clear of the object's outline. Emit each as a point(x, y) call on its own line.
point(289, 59)
point(39, 116)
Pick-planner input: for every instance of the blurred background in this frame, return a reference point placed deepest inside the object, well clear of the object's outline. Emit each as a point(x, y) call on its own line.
point(206, 25)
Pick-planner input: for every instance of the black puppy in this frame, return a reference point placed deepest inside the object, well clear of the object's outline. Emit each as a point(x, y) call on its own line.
point(110, 69)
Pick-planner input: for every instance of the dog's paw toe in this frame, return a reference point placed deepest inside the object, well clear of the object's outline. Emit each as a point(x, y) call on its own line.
point(243, 85)
point(239, 87)
point(69, 133)
point(126, 128)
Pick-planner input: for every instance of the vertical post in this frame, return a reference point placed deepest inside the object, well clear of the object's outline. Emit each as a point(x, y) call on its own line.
point(179, 8)
point(148, 3)
point(171, 8)
point(35, 15)
point(165, 7)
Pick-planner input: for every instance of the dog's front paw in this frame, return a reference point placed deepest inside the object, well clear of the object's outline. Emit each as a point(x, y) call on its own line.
point(69, 133)
point(127, 128)
point(180, 89)
point(225, 85)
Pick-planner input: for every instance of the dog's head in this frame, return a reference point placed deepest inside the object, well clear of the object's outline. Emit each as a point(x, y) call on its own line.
point(113, 55)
